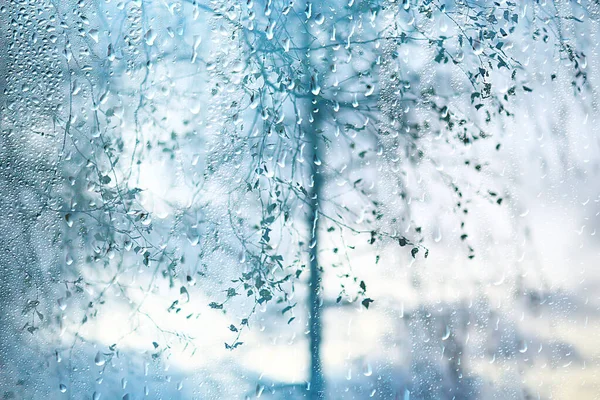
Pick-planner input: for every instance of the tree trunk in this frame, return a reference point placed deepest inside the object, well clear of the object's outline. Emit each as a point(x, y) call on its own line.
point(317, 381)
point(313, 121)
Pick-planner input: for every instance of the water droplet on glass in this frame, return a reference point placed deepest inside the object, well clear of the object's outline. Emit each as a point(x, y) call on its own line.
point(238, 66)
point(367, 370)
point(315, 88)
point(270, 32)
point(447, 334)
point(99, 360)
point(259, 390)
point(523, 347)
point(69, 220)
point(443, 25)
point(150, 37)
point(94, 35)
point(477, 47)
point(438, 235)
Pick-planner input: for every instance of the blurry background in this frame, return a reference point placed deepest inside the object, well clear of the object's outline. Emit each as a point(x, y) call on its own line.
point(120, 173)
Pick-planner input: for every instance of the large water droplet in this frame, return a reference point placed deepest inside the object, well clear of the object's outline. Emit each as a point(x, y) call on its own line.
point(150, 37)
point(99, 360)
point(367, 370)
point(94, 35)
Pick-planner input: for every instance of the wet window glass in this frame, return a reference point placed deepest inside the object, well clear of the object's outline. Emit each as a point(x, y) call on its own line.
point(341, 199)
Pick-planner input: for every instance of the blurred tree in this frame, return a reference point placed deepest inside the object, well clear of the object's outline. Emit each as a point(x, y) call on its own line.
point(341, 93)
point(318, 114)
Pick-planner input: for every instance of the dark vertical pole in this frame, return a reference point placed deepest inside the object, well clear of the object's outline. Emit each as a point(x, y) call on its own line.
point(313, 114)
point(317, 382)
